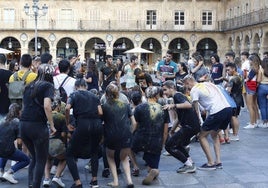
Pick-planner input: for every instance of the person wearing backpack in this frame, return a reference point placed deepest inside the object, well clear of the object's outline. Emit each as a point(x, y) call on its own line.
point(63, 82)
point(24, 75)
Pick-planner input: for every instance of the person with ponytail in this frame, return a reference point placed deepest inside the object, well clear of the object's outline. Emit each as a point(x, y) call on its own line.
point(35, 117)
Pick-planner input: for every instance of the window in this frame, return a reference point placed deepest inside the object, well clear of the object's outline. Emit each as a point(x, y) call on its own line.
point(66, 14)
point(179, 18)
point(207, 18)
point(151, 17)
point(9, 15)
point(123, 15)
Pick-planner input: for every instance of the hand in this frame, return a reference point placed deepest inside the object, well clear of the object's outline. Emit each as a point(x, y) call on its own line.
point(52, 130)
point(168, 106)
point(70, 127)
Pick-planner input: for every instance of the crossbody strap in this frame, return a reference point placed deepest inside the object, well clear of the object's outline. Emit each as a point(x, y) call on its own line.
point(63, 81)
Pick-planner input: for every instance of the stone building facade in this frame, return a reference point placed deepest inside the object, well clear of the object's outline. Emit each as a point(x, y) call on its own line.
point(94, 28)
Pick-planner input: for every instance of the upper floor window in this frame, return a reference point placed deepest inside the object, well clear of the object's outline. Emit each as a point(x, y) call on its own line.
point(179, 18)
point(123, 15)
point(151, 17)
point(206, 18)
point(66, 14)
point(9, 15)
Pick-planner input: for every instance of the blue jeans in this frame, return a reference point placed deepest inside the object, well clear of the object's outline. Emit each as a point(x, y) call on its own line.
point(263, 101)
point(23, 160)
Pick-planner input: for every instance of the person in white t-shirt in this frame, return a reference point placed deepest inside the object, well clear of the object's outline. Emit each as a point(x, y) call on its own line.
point(210, 97)
point(68, 85)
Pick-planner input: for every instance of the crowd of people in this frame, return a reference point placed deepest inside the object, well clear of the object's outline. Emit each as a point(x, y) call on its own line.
point(70, 110)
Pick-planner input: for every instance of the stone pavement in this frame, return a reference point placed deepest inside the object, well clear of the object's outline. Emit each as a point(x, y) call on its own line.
point(245, 165)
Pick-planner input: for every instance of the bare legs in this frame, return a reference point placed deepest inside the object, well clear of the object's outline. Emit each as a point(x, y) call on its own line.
point(125, 163)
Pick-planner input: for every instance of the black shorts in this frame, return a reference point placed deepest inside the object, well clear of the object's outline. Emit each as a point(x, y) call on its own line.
point(218, 121)
point(236, 111)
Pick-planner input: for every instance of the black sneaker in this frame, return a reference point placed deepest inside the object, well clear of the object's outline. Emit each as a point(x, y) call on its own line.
point(76, 186)
point(94, 184)
point(218, 166)
point(106, 173)
point(207, 167)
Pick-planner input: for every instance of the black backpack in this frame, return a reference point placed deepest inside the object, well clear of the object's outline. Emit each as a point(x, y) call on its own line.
point(61, 91)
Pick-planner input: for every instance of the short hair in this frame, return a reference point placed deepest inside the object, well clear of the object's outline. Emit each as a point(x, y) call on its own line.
point(111, 92)
point(232, 54)
point(80, 82)
point(64, 66)
point(133, 58)
point(136, 97)
point(108, 56)
point(232, 65)
point(46, 57)
point(170, 52)
point(169, 84)
point(217, 58)
point(152, 91)
point(3, 59)
point(26, 60)
point(137, 71)
point(245, 54)
point(188, 77)
point(265, 53)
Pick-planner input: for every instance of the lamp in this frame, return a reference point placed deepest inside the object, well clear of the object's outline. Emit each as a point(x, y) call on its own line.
point(9, 43)
point(206, 46)
point(151, 46)
point(248, 44)
point(258, 44)
point(124, 44)
point(179, 45)
point(95, 44)
point(35, 15)
point(67, 45)
point(39, 45)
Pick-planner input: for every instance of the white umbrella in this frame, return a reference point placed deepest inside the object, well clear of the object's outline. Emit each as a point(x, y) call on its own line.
point(5, 51)
point(138, 50)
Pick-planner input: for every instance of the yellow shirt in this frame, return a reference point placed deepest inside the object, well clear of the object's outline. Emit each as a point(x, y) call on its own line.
point(31, 76)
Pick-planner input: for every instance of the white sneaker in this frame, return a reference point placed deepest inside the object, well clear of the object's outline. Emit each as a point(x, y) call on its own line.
point(234, 138)
point(263, 125)
point(231, 131)
point(13, 163)
point(58, 182)
point(250, 126)
point(53, 170)
point(9, 177)
point(46, 183)
point(166, 153)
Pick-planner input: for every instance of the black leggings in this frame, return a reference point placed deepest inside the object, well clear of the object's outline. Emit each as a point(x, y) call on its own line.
point(84, 144)
point(36, 138)
point(176, 144)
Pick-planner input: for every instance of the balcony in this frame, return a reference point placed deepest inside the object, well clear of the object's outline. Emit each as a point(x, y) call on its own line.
point(107, 25)
point(253, 18)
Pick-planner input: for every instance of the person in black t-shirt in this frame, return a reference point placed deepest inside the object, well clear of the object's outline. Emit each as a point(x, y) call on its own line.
point(189, 123)
point(36, 112)
point(4, 77)
point(143, 79)
point(85, 140)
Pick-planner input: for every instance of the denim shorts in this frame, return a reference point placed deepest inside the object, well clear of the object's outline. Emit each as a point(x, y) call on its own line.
point(249, 91)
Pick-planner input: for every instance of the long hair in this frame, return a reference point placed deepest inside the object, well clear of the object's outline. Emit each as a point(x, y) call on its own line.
point(264, 65)
point(45, 73)
point(256, 61)
point(111, 92)
point(13, 112)
point(91, 66)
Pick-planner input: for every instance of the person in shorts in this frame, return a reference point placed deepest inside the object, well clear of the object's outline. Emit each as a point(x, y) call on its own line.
point(219, 115)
